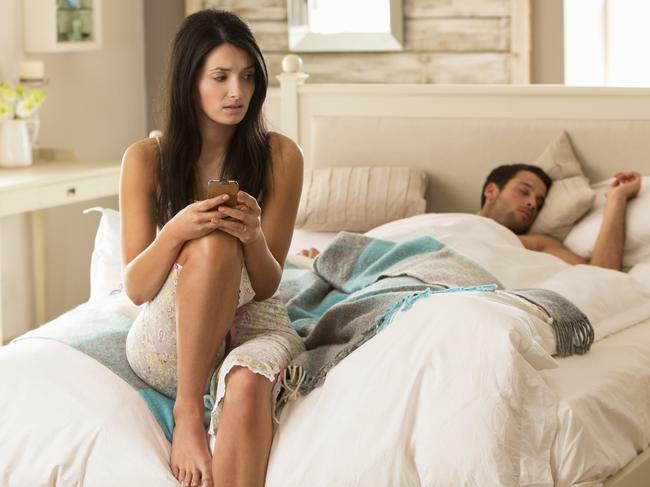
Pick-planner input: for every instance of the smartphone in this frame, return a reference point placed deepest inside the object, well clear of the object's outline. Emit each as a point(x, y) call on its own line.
point(224, 186)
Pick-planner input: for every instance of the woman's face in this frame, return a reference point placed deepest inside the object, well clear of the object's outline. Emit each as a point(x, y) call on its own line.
point(226, 84)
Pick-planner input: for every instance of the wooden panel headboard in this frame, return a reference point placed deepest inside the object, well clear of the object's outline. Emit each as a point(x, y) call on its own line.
point(458, 133)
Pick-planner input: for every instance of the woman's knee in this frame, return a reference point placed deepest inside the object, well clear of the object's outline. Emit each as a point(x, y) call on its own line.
point(213, 247)
point(247, 389)
point(153, 361)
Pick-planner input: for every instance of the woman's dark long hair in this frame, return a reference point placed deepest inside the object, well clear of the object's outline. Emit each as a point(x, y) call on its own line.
point(248, 157)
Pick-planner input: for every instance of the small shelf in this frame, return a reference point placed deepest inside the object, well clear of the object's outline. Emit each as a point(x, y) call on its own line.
point(62, 25)
point(65, 37)
point(74, 9)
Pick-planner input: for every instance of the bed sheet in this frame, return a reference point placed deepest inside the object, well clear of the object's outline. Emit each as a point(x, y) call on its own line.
point(305, 239)
point(603, 407)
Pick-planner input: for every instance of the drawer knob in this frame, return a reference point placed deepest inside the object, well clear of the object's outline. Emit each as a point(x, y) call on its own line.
point(71, 191)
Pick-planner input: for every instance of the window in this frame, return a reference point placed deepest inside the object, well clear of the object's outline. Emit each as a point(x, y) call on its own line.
point(606, 42)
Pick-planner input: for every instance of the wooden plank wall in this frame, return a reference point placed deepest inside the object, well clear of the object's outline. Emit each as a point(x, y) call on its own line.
point(446, 41)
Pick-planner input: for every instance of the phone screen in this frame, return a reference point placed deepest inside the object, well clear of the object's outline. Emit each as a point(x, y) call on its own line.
point(224, 186)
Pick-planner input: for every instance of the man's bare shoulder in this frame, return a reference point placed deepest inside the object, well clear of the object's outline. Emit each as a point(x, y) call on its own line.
point(539, 242)
point(550, 245)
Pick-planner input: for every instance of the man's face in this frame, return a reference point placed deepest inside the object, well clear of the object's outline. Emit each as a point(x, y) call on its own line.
point(516, 205)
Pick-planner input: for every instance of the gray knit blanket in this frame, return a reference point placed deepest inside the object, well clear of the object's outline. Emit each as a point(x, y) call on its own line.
point(573, 330)
point(358, 283)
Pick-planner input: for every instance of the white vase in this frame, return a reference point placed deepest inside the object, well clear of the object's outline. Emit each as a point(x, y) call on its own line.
point(16, 142)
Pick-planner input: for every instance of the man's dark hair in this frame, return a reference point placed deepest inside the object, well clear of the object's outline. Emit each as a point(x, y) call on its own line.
point(502, 174)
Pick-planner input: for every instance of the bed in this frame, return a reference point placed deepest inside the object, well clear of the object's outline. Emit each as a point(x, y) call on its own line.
point(409, 407)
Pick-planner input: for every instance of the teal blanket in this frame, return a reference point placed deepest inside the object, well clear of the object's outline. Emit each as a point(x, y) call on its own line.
point(356, 286)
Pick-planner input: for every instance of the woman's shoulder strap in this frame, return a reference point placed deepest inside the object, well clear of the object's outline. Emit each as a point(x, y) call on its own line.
point(156, 134)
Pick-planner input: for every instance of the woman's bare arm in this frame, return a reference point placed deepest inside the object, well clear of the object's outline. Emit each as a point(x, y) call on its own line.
point(265, 256)
point(145, 257)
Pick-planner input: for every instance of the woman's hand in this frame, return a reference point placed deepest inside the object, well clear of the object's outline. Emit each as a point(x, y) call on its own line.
point(244, 220)
point(195, 220)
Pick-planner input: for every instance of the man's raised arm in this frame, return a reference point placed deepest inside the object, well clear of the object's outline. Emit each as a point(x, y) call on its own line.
point(608, 251)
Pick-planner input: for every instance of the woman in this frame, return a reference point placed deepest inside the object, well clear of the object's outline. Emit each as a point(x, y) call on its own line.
point(198, 264)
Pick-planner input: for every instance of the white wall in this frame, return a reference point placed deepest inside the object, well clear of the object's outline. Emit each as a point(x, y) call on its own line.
point(161, 21)
point(547, 57)
point(96, 106)
point(460, 41)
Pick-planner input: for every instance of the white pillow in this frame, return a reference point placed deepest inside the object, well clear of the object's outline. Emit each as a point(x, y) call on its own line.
point(357, 199)
point(567, 200)
point(582, 238)
point(559, 160)
point(106, 261)
point(570, 196)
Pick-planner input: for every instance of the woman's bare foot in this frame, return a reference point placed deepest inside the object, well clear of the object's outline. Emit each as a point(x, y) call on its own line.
point(190, 459)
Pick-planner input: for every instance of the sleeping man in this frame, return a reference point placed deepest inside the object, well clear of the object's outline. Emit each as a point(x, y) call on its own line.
point(514, 194)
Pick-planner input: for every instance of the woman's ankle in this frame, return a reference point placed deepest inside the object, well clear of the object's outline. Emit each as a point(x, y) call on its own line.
point(186, 408)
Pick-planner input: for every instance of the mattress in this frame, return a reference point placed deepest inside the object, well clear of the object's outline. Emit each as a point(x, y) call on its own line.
point(603, 416)
point(591, 413)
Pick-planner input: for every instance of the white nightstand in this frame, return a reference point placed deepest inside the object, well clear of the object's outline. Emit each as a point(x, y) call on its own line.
point(59, 180)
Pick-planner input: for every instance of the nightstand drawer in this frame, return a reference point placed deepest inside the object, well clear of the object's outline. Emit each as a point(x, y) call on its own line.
point(59, 193)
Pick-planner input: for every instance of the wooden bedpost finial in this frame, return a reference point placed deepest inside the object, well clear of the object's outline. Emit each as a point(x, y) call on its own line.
point(291, 63)
point(290, 79)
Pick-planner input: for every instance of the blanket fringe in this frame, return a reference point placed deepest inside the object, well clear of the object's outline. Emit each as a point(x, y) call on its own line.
point(293, 377)
point(573, 337)
point(573, 331)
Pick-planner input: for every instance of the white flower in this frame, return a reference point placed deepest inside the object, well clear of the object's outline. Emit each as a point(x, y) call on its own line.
point(26, 108)
point(19, 101)
point(37, 95)
point(7, 93)
point(6, 110)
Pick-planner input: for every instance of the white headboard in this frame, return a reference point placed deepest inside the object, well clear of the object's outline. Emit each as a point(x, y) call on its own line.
point(458, 133)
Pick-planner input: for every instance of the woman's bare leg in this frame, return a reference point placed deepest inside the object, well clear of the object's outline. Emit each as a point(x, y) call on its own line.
point(245, 431)
point(206, 298)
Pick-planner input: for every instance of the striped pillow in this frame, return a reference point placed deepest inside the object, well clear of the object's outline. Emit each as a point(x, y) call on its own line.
point(357, 199)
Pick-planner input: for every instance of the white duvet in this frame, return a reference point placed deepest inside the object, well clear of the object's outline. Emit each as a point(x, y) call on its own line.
point(450, 394)
point(612, 300)
point(440, 397)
